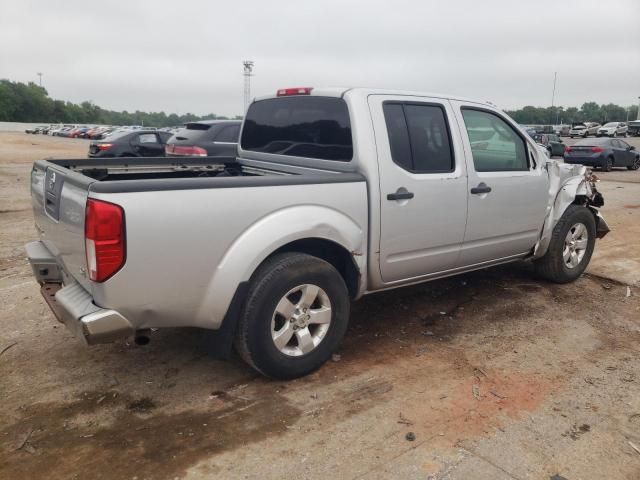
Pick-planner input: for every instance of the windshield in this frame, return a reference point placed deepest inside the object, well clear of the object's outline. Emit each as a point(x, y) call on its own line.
point(610, 125)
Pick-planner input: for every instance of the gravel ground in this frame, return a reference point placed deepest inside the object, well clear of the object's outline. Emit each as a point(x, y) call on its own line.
point(494, 375)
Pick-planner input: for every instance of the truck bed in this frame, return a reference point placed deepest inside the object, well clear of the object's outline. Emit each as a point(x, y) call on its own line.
point(188, 221)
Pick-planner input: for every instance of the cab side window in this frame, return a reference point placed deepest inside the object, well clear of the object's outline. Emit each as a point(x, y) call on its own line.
point(419, 137)
point(495, 145)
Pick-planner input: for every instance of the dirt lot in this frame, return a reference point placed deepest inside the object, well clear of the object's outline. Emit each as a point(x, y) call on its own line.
point(496, 375)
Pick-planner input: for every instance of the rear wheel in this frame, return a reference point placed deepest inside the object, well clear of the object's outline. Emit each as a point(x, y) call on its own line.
point(571, 246)
point(635, 165)
point(296, 314)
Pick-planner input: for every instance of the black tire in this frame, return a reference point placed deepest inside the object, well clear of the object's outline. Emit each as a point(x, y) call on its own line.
point(607, 164)
point(271, 282)
point(552, 266)
point(635, 165)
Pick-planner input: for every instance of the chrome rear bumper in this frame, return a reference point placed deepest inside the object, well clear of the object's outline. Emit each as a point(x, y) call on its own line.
point(72, 304)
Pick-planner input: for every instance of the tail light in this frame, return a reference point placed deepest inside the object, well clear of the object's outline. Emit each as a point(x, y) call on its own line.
point(596, 149)
point(285, 92)
point(104, 146)
point(567, 149)
point(190, 151)
point(104, 239)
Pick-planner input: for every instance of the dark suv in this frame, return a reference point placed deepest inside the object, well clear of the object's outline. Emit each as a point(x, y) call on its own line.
point(207, 138)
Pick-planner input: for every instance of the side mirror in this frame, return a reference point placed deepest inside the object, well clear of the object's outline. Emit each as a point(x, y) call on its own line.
point(631, 147)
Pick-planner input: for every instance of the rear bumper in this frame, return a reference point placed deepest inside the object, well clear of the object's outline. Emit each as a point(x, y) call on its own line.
point(72, 304)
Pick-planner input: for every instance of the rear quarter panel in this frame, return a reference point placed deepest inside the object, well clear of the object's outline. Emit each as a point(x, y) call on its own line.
point(188, 250)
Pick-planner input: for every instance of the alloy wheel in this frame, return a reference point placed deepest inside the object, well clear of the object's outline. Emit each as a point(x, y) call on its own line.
point(575, 245)
point(301, 320)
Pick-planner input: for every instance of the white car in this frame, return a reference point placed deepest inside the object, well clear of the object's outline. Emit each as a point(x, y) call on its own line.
point(613, 129)
point(584, 129)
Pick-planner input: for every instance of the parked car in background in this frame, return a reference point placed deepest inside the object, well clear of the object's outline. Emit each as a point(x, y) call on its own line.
point(130, 143)
point(552, 142)
point(562, 130)
point(529, 130)
point(613, 129)
point(634, 128)
point(207, 138)
point(34, 130)
point(605, 153)
point(585, 129)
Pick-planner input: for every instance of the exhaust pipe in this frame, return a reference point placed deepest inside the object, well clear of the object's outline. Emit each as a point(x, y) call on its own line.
point(142, 337)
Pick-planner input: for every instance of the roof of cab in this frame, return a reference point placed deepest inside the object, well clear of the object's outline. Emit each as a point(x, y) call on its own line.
point(363, 91)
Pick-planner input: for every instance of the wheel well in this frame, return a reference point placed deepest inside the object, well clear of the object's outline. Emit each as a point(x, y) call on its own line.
point(331, 252)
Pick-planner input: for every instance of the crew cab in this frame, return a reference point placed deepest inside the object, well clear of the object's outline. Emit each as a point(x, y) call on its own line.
point(333, 194)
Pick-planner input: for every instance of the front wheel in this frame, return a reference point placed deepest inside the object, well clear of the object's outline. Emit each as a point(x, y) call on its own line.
point(635, 165)
point(295, 316)
point(572, 243)
point(607, 164)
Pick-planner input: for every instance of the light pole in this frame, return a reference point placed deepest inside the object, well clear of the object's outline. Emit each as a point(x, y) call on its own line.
point(40, 75)
point(553, 95)
point(248, 73)
point(638, 112)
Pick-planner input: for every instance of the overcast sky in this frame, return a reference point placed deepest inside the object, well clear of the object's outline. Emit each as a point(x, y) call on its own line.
point(186, 56)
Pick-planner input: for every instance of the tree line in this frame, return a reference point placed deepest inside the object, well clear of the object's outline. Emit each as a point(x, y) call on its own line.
point(30, 103)
point(588, 112)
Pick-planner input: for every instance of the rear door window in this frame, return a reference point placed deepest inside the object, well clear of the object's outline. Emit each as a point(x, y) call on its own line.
point(299, 126)
point(228, 134)
point(146, 138)
point(419, 137)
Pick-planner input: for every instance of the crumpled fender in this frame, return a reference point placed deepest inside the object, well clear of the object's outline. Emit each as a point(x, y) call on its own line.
point(566, 183)
point(264, 237)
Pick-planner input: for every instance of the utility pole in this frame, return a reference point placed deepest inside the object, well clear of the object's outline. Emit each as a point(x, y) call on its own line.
point(553, 95)
point(638, 112)
point(40, 75)
point(248, 73)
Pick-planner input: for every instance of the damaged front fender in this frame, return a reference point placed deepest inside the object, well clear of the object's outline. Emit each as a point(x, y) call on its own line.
point(569, 184)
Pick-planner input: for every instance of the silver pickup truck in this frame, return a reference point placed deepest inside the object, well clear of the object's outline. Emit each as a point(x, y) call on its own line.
point(333, 194)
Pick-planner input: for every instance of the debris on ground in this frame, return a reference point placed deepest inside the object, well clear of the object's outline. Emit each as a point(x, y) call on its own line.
point(557, 477)
point(22, 440)
point(410, 436)
point(575, 432)
point(634, 446)
point(475, 389)
point(8, 347)
point(481, 371)
point(496, 394)
point(405, 421)
point(628, 291)
point(336, 357)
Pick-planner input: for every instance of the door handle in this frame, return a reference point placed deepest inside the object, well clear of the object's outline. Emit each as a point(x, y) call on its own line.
point(400, 195)
point(481, 188)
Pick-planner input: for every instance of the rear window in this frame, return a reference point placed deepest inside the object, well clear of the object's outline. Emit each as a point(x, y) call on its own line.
point(300, 126)
point(195, 132)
